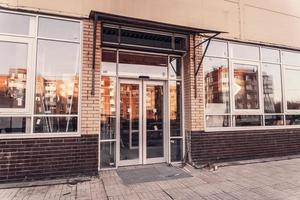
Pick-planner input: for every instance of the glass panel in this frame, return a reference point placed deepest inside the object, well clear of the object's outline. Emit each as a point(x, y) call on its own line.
point(270, 55)
point(55, 124)
point(290, 58)
point(292, 88)
point(107, 155)
point(176, 150)
point(245, 87)
point(109, 60)
point(271, 75)
point(273, 120)
point(216, 48)
point(129, 121)
point(108, 108)
point(247, 120)
point(155, 121)
point(14, 125)
point(146, 39)
point(180, 43)
point(246, 52)
point(175, 68)
point(57, 78)
point(59, 29)
point(110, 35)
point(16, 24)
point(132, 64)
point(175, 108)
point(13, 74)
point(292, 119)
point(217, 121)
point(216, 85)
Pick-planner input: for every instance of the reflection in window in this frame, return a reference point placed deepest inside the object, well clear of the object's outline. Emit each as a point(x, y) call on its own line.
point(176, 149)
point(109, 62)
point(271, 79)
point(175, 108)
point(247, 120)
point(134, 64)
point(57, 78)
point(245, 52)
point(13, 74)
point(175, 68)
point(270, 55)
point(274, 120)
point(110, 35)
point(245, 88)
point(217, 121)
point(55, 124)
point(16, 24)
point(14, 125)
point(292, 88)
point(216, 85)
point(292, 119)
point(216, 48)
point(107, 155)
point(108, 108)
point(59, 29)
point(290, 58)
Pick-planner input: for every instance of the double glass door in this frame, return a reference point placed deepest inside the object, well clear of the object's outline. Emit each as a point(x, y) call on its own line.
point(141, 122)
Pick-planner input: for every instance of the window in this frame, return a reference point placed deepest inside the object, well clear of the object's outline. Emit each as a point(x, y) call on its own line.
point(258, 88)
point(41, 96)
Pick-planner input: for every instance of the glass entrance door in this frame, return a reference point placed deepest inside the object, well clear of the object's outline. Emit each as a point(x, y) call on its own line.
point(141, 122)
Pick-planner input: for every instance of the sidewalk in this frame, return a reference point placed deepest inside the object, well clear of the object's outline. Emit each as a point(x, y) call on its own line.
point(277, 180)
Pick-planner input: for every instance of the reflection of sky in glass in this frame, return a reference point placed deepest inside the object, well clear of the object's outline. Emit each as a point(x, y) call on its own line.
point(60, 29)
point(270, 55)
point(211, 64)
point(57, 59)
point(290, 58)
point(216, 48)
point(244, 52)
point(16, 24)
point(12, 55)
point(292, 85)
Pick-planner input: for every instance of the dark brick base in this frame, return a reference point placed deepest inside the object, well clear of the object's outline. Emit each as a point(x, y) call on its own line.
point(45, 158)
point(213, 147)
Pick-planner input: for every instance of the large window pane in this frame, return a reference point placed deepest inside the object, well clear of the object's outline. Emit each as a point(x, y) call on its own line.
point(133, 64)
point(271, 75)
point(55, 124)
point(110, 35)
point(109, 62)
point(216, 48)
point(176, 150)
point(292, 88)
point(14, 125)
point(290, 58)
point(274, 120)
point(180, 43)
point(247, 120)
point(57, 78)
point(216, 85)
point(59, 29)
point(270, 55)
point(217, 121)
point(245, 87)
point(107, 155)
point(175, 108)
point(16, 24)
point(245, 52)
point(108, 108)
point(13, 74)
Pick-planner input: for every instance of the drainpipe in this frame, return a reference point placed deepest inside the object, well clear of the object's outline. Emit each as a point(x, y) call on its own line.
point(94, 54)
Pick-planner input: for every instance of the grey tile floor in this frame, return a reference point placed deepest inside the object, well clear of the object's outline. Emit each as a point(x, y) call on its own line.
point(277, 180)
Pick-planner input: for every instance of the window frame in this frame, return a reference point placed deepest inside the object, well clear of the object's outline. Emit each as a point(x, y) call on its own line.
point(30, 112)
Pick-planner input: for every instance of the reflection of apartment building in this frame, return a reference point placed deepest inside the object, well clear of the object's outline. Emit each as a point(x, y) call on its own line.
point(108, 96)
point(56, 96)
point(13, 88)
point(268, 89)
point(217, 84)
point(247, 94)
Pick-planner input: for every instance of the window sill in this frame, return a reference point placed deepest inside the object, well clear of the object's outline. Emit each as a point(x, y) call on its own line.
point(38, 135)
point(251, 128)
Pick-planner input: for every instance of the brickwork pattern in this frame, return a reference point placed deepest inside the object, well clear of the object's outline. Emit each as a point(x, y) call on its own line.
point(213, 147)
point(90, 104)
point(39, 158)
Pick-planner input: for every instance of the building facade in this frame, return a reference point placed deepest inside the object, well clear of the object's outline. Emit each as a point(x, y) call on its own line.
point(96, 85)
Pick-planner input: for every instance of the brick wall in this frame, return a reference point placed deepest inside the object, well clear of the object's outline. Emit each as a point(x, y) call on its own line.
point(90, 104)
point(39, 158)
point(213, 147)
